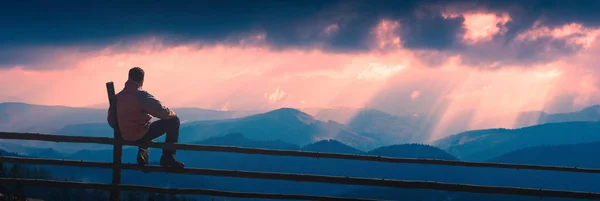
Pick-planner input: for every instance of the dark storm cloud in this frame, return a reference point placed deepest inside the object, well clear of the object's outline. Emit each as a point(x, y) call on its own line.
point(505, 49)
point(431, 32)
point(286, 24)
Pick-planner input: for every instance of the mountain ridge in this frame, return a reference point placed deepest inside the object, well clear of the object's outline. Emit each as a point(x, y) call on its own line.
point(485, 144)
point(286, 124)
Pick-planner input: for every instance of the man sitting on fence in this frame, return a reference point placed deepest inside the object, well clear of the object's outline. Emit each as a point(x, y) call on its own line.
point(135, 108)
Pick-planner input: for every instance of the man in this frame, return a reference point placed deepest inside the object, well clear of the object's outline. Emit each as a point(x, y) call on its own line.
point(135, 108)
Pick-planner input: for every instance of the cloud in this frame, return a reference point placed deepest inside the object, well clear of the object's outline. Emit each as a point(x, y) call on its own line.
point(378, 71)
point(481, 26)
point(276, 96)
point(414, 95)
point(385, 34)
point(225, 107)
point(431, 31)
point(209, 76)
point(332, 26)
point(483, 32)
point(573, 34)
point(331, 29)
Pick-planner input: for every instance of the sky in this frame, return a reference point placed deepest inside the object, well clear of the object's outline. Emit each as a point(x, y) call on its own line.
point(458, 59)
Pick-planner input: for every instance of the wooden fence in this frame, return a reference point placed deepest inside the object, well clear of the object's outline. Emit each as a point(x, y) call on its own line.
point(117, 166)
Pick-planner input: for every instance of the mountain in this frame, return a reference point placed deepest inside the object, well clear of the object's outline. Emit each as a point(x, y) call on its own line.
point(189, 114)
point(412, 151)
point(7, 153)
point(23, 117)
point(530, 118)
point(285, 124)
point(387, 128)
point(239, 140)
point(572, 155)
point(338, 114)
point(87, 129)
point(591, 113)
point(482, 145)
point(331, 146)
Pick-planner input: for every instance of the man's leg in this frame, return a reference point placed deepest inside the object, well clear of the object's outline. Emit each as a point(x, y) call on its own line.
point(168, 157)
point(153, 133)
point(157, 129)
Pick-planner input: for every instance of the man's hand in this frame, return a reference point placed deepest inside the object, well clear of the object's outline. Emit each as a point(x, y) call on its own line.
point(171, 114)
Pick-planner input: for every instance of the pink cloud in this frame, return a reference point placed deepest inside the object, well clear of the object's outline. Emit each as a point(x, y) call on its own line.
point(414, 95)
point(386, 34)
point(481, 26)
point(276, 96)
point(331, 29)
point(208, 76)
point(574, 33)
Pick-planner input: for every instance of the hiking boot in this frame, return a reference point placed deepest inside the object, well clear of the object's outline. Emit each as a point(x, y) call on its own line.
point(168, 160)
point(142, 156)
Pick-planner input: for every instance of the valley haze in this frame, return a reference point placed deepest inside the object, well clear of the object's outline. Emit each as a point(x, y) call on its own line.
point(364, 128)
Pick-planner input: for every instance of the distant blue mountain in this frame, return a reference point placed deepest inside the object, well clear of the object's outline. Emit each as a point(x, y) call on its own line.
point(88, 129)
point(365, 129)
point(239, 140)
point(331, 146)
point(389, 129)
point(285, 124)
point(572, 155)
point(482, 145)
point(23, 117)
point(566, 144)
point(412, 151)
point(373, 129)
point(591, 113)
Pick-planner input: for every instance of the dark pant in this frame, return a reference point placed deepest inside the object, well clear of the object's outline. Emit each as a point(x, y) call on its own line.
point(160, 127)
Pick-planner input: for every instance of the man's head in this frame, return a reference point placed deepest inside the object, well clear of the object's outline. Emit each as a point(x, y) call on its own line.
point(136, 74)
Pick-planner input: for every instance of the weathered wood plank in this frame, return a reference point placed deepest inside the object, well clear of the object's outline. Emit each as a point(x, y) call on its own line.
point(243, 150)
point(118, 147)
point(209, 192)
point(320, 179)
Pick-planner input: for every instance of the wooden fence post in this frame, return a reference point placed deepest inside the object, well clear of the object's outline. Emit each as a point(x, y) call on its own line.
point(118, 145)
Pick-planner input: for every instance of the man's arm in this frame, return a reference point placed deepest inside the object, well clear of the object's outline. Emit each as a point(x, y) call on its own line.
point(153, 106)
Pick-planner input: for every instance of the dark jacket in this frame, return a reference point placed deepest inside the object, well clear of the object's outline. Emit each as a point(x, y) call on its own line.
point(135, 108)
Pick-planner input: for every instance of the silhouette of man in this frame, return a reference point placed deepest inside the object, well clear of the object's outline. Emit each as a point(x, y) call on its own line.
point(135, 108)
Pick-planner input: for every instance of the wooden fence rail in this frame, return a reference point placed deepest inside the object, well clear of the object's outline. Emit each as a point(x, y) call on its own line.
point(209, 192)
point(316, 178)
point(243, 150)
